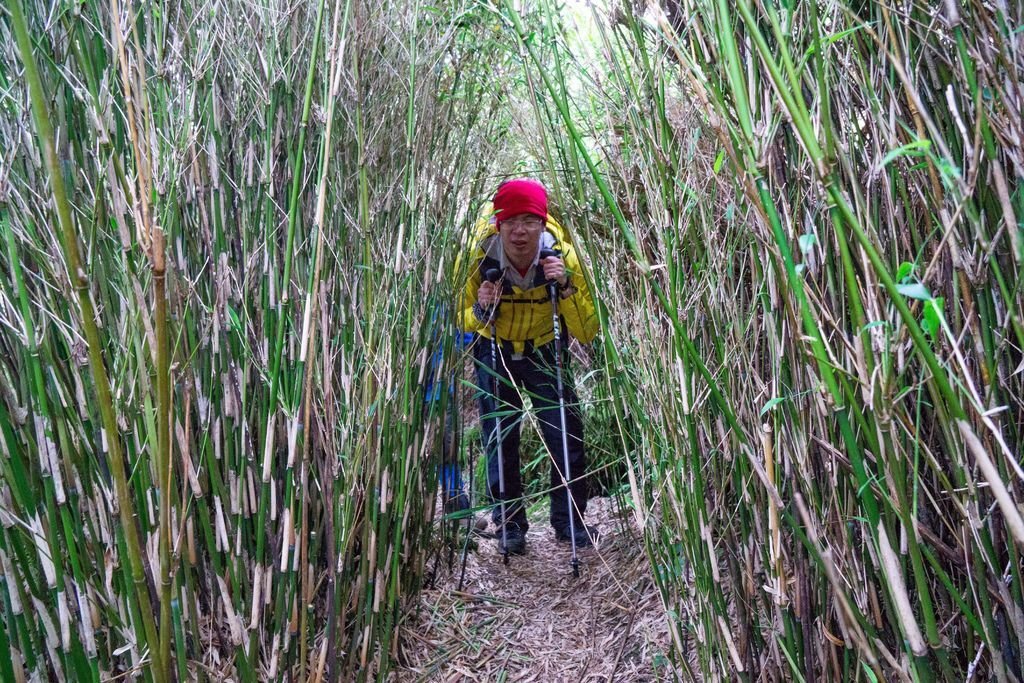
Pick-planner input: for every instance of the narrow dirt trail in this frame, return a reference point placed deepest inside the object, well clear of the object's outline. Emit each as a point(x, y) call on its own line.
point(532, 621)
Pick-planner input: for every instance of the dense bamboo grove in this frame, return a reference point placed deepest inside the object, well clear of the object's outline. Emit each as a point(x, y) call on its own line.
point(805, 218)
point(227, 235)
point(226, 228)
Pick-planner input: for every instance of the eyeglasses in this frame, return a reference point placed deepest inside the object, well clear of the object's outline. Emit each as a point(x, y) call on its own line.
point(528, 223)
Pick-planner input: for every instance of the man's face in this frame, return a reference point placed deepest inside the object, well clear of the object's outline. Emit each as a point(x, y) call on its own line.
point(520, 237)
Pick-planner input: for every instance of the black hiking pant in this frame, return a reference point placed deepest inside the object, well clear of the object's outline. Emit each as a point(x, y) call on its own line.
point(533, 375)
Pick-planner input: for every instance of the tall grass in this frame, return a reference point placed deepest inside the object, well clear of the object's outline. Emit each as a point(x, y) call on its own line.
point(805, 221)
point(227, 228)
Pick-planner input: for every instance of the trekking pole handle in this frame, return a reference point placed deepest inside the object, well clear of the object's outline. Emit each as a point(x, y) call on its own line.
point(492, 275)
point(548, 253)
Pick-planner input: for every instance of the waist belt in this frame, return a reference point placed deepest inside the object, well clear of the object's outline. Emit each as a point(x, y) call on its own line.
point(527, 346)
point(508, 349)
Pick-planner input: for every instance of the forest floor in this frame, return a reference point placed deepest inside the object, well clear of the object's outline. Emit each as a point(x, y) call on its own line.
point(532, 620)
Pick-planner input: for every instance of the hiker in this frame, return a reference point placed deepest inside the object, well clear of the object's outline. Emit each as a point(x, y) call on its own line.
point(525, 355)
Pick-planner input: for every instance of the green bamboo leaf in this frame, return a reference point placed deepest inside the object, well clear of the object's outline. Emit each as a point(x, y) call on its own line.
point(236, 323)
point(933, 317)
point(831, 38)
point(915, 148)
point(772, 403)
point(914, 290)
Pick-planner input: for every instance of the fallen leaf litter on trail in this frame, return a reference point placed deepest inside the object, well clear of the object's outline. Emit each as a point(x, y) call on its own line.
point(532, 621)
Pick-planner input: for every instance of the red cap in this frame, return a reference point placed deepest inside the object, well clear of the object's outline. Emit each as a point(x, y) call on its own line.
point(518, 196)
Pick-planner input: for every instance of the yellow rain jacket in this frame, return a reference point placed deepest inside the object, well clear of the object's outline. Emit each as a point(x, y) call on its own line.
point(524, 315)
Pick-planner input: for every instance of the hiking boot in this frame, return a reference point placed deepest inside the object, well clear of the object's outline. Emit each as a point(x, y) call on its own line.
point(515, 537)
point(585, 535)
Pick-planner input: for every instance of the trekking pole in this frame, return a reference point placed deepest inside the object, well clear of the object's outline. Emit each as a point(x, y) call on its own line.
point(553, 292)
point(493, 275)
point(470, 521)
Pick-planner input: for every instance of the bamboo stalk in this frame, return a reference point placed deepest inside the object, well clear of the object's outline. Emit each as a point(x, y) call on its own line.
point(80, 283)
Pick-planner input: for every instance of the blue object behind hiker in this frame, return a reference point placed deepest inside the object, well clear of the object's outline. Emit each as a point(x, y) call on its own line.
point(450, 474)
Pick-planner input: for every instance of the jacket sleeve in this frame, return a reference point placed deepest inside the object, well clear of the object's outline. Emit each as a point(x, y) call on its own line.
point(578, 309)
point(467, 296)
